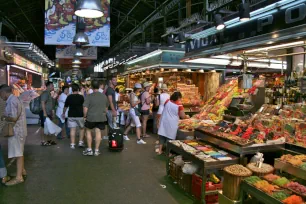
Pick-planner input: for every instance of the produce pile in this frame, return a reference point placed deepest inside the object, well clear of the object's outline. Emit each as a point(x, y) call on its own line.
point(214, 108)
point(297, 160)
point(238, 170)
point(296, 187)
point(274, 190)
point(265, 168)
point(202, 151)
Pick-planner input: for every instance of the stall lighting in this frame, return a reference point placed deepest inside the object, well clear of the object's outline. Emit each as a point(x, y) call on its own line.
point(162, 69)
point(79, 52)
point(18, 67)
point(244, 12)
point(219, 22)
point(293, 44)
point(188, 70)
point(181, 37)
point(201, 70)
point(89, 9)
point(170, 41)
point(76, 66)
point(174, 70)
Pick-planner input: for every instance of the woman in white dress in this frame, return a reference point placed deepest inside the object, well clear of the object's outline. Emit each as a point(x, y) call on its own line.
point(173, 111)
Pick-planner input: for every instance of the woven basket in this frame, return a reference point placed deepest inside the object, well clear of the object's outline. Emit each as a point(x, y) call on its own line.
point(259, 172)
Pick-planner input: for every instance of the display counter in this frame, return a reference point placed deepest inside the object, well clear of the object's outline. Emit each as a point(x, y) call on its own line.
point(289, 168)
point(204, 165)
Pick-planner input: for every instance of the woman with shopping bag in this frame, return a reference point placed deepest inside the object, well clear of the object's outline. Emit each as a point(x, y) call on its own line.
point(16, 131)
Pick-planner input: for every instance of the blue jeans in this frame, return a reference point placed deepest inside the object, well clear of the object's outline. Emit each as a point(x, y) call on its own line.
point(61, 125)
point(3, 171)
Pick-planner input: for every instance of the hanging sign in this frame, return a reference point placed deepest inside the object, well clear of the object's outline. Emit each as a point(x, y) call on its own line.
point(67, 52)
point(18, 60)
point(268, 22)
point(60, 24)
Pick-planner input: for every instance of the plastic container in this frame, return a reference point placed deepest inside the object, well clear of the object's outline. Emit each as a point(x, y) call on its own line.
point(197, 186)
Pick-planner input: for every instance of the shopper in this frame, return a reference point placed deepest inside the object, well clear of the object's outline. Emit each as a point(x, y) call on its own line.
point(164, 96)
point(60, 111)
point(145, 108)
point(47, 106)
point(155, 99)
point(75, 115)
point(101, 88)
point(172, 112)
point(15, 112)
point(111, 96)
point(3, 172)
point(134, 114)
point(95, 109)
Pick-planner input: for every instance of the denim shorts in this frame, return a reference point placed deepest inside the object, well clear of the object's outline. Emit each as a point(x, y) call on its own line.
point(145, 112)
point(163, 140)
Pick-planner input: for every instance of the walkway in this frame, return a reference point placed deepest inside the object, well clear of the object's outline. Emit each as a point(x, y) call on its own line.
point(59, 175)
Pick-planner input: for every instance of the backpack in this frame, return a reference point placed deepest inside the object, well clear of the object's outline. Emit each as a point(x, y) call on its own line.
point(140, 104)
point(35, 105)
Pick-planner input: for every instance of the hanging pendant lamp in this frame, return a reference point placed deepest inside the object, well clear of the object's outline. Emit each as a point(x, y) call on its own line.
point(244, 12)
point(79, 52)
point(80, 38)
point(89, 9)
point(76, 66)
point(76, 61)
point(219, 22)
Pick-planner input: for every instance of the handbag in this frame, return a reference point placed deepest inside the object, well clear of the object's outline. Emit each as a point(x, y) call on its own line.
point(8, 128)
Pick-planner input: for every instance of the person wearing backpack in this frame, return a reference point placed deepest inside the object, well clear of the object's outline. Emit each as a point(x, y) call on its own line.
point(47, 110)
point(145, 108)
point(134, 114)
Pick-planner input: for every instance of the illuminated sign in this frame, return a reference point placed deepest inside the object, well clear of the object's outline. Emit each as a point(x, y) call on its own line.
point(18, 60)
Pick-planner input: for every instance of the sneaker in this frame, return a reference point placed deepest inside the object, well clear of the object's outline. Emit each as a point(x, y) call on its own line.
point(72, 146)
point(141, 142)
point(81, 144)
point(125, 137)
point(87, 152)
point(97, 153)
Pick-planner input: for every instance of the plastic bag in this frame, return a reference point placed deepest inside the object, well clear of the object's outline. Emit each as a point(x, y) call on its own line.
point(178, 160)
point(50, 128)
point(190, 168)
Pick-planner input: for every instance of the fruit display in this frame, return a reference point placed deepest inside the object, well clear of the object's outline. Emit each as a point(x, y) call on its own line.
point(294, 199)
point(303, 166)
point(296, 160)
point(281, 181)
point(281, 195)
point(265, 168)
point(296, 187)
point(271, 177)
point(266, 186)
point(238, 170)
point(252, 179)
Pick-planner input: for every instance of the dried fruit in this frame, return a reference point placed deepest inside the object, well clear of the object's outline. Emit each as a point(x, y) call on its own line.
point(281, 181)
point(265, 168)
point(271, 177)
point(294, 199)
point(238, 170)
point(252, 179)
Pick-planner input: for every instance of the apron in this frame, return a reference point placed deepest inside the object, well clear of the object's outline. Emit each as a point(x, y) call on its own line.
point(169, 121)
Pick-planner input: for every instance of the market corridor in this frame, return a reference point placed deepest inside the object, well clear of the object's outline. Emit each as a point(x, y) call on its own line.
point(60, 175)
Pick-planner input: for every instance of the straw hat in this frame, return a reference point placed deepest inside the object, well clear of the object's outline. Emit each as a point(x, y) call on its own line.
point(146, 84)
point(137, 86)
point(164, 87)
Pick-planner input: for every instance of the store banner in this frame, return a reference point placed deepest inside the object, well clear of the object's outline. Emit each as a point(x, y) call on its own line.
point(67, 52)
point(60, 24)
point(18, 60)
point(283, 17)
point(172, 57)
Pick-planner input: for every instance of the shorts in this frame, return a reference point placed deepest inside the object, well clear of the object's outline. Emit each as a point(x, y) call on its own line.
point(43, 118)
point(15, 146)
point(163, 140)
point(92, 125)
point(135, 119)
point(76, 122)
point(145, 112)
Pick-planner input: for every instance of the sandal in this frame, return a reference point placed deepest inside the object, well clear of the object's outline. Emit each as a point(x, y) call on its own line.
point(5, 179)
point(45, 144)
point(51, 142)
point(14, 182)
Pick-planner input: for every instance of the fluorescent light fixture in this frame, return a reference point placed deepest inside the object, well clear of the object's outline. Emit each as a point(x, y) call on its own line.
point(293, 44)
point(152, 54)
point(89, 9)
point(18, 67)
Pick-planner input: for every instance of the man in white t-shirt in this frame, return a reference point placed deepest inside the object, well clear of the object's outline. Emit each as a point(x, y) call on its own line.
point(101, 88)
point(164, 96)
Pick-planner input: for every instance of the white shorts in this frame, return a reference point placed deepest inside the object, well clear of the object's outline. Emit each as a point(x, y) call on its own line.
point(76, 122)
point(135, 119)
point(15, 146)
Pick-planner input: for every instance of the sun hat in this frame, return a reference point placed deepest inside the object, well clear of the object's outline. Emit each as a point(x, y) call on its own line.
point(146, 84)
point(164, 87)
point(137, 86)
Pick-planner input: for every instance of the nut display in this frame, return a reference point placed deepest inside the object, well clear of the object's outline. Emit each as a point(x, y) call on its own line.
point(265, 168)
point(238, 170)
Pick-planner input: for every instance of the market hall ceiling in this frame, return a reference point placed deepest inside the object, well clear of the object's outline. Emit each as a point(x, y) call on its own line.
point(23, 20)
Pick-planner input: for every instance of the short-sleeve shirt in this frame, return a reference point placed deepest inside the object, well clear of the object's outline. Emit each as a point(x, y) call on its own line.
point(96, 104)
point(145, 96)
point(75, 104)
point(180, 105)
point(111, 92)
point(46, 97)
point(163, 98)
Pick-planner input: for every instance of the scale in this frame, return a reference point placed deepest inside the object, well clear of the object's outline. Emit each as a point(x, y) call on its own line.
point(237, 108)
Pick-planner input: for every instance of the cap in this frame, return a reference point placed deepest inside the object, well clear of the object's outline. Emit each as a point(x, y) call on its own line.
point(137, 86)
point(164, 87)
point(146, 84)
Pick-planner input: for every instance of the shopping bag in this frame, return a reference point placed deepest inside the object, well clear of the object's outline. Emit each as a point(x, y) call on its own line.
point(50, 128)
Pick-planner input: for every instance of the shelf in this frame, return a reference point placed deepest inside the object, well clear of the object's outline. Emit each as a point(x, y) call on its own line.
point(212, 192)
point(258, 194)
point(233, 147)
point(293, 170)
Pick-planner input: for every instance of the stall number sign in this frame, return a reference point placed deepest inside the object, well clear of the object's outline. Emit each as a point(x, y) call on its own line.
point(283, 18)
point(18, 60)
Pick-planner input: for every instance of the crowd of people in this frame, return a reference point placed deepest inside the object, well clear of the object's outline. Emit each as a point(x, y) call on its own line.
point(84, 112)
